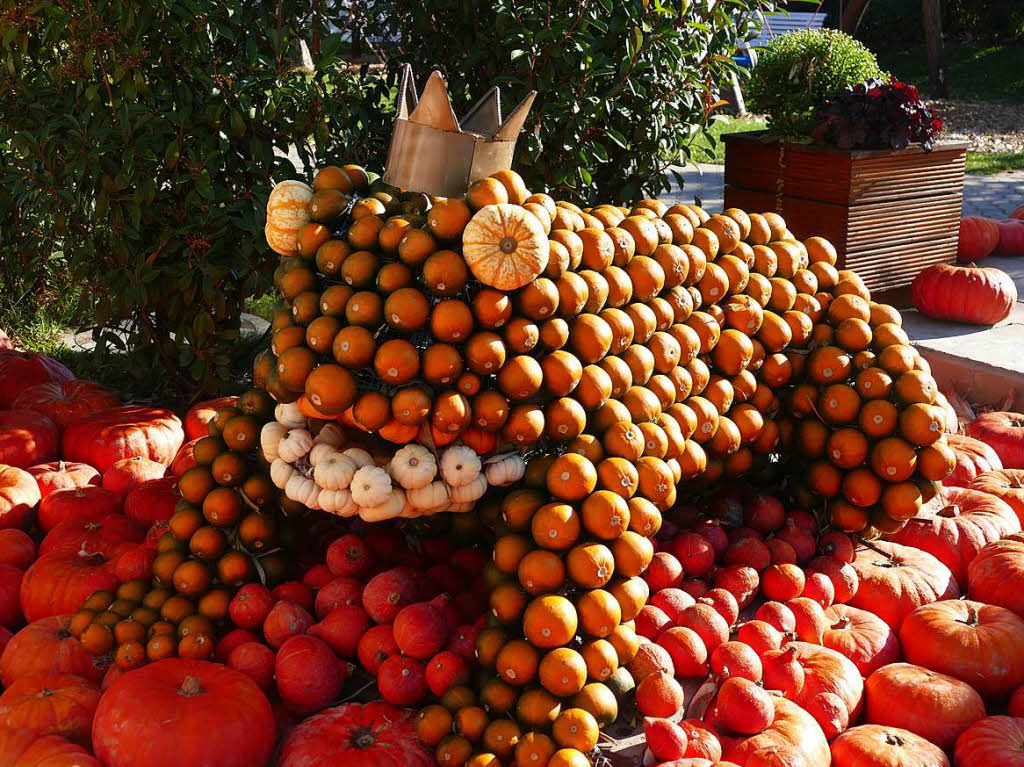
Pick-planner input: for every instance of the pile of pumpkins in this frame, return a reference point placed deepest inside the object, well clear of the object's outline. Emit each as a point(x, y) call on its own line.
point(621, 352)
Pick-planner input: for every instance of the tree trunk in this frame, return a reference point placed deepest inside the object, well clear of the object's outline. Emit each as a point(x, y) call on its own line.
point(853, 15)
point(933, 47)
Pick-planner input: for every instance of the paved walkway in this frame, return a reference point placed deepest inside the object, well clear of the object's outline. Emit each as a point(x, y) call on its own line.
point(991, 196)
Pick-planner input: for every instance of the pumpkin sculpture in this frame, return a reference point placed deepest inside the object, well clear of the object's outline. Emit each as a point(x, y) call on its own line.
point(972, 294)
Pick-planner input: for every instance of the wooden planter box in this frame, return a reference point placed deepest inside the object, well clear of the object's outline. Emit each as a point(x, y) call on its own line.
point(889, 213)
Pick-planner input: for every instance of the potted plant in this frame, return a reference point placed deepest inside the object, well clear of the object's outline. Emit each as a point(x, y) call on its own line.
point(848, 154)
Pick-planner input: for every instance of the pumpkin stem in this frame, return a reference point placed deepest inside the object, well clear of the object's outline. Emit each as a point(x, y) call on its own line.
point(364, 738)
point(953, 510)
point(190, 687)
point(842, 623)
point(892, 739)
point(508, 244)
point(973, 619)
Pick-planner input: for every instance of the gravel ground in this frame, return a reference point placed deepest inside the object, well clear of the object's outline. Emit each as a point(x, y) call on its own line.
point(989, 126)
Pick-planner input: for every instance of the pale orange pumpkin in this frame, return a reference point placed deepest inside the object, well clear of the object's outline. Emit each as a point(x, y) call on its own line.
point(505, 246)
point(287, 212)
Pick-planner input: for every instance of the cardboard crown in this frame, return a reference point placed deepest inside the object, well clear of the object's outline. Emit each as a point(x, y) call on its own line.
point(435, 153)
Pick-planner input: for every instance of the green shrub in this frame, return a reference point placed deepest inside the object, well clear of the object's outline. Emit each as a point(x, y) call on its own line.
point(138, 144)
point(799, 71)
point(624, 86)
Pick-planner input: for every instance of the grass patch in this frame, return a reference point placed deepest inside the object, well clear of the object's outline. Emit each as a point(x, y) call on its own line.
point(988, 73)
point(987, 163)
point(710, 148)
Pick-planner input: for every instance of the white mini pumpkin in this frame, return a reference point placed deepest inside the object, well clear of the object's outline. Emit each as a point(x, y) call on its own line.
point(390, 508)
point(335, 472)
point(295, 445)
point(370, 486)
point(460, 465)
point(320, 451)
point(287, 212)
point(434, 496)
point(270, 437)
point(359, 457)
point(330, 434)
point(338, 502)
point(303, 490)
point(414, 467)
point(471, 492)
point(289, 414)
point(280, 472)
point(505, 470)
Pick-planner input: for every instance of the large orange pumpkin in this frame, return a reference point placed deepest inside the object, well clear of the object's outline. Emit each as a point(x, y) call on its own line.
point(63, 475)
point(59, 583)
point(996, 576)
point(109, 435)
point(505, 246)
point(955, 525)
point(47, 645)
point(995, 740)
point(19, 495)
point(861, 636)
point(978, 643)
point(66, 401)
point(27, 438)
point(873, 745)
point(1004, 432)
point(356, 735)
point(47, 703)
point(792, 729)
point(177, 711)
point(895, 580)
point(1006, 484)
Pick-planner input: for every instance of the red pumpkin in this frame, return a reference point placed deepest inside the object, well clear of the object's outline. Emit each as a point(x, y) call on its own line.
point(793, 729)
point(1004, 433)
point(978, 238)
point(134, 562)
point(201, 413)
point(105, 535)
point(128, 473)
point(996, 576)
point(185, 459)
point(863, 637)
point(995, 740)
point(58, 583)
point(177, 711)
point(27, 438)
point(973, 457)
point(19, 495)
point(356, 735)
point(1005, 484)
point(1011, 237)
point(152, 501)
point(841, 574)
point(827, 671)
point(51, 704)
point(16, 548)
point(20, 370)
point(977, 643)
point(109, 435)
point(976, 295)
point(955, 525)
point(309, 676)
point(935, 706)
point(872, 745)
point(895, 580)
point(63, 475)
point(82, 503)
point(47, 645)
point(54, 751)
point(66, 401)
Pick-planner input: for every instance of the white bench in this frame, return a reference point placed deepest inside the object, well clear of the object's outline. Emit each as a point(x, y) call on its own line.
point(779, 23)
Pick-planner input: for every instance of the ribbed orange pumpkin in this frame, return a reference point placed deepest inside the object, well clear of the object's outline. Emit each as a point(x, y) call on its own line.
point(505, 246)
point(287, 212)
